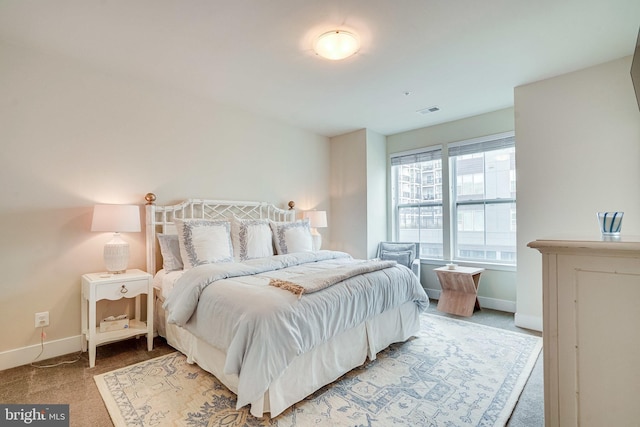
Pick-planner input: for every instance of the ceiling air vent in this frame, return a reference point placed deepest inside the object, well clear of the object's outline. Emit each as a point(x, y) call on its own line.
point(429, 110)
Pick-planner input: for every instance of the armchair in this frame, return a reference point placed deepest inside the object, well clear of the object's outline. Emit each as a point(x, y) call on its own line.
point(405, 253)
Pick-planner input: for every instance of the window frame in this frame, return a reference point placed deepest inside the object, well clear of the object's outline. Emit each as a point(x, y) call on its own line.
point(409, 157)
point(449, 194)
point(478, 148)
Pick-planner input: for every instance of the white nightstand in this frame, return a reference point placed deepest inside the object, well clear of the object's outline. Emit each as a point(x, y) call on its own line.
point(99, 286)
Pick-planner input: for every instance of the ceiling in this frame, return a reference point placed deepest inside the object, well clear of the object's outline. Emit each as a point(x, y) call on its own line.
point(463, 56)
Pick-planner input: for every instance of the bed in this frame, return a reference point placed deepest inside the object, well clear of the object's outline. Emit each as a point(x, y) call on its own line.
point(272, 319)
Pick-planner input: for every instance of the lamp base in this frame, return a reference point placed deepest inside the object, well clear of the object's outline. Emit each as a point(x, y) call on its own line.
point(316, 240)
point(116, 255)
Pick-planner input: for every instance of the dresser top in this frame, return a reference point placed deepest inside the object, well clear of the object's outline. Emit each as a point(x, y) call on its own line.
point(594, 242)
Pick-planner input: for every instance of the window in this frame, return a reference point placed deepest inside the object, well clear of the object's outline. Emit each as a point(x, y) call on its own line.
point(484, 199)
point(417, 198)
point(480, 206)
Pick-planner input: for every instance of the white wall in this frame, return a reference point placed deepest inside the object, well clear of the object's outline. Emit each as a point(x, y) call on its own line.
point(73, 136)
point(376, 191)
point(497, 287)
point(358, 219)
point(578, 152)
point(348, 218)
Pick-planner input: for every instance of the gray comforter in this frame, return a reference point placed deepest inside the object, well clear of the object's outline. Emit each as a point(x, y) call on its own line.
point(261, 328)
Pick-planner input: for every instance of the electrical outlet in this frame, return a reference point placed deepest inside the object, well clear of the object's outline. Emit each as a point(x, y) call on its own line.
point(42, 319)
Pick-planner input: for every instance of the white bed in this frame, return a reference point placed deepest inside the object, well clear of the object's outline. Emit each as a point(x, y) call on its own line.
point(360, 336)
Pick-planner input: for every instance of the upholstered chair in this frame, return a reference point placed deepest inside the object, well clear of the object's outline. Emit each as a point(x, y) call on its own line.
point(405, 253)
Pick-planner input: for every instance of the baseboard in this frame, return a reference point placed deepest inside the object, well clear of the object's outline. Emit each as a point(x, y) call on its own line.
point(22, 356)
point(528, 321)
point(498, 304)
point(492, 303)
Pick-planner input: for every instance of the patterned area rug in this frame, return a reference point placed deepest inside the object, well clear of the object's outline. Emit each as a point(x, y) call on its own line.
point(454, 373)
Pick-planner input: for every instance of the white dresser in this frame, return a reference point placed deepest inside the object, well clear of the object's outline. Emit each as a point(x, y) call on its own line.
point(591, 331)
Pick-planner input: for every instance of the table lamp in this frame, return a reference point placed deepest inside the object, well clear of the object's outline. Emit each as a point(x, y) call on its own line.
point(116, 219)
point(317, 219)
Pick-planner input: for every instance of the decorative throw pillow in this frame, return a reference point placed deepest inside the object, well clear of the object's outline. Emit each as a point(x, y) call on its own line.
point(289, 237)
point(204, 241)
point(251, 238)
point(170, 250)
point(399, 247)
point(401, 257)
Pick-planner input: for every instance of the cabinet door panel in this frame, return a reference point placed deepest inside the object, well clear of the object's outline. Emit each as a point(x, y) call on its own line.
point(608, 350)
point(598, 340)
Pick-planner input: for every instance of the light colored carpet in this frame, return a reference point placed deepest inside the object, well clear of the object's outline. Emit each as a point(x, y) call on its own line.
point(454, 373)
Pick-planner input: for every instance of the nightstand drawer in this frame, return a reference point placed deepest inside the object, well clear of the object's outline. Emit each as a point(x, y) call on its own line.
point(123, 289)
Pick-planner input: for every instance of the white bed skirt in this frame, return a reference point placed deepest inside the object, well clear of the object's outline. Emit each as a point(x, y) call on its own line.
point(319, 367)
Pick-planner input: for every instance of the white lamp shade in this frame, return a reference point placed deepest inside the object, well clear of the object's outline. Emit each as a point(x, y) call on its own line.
point(336, 45)
point(116, 218)
point(317, 219)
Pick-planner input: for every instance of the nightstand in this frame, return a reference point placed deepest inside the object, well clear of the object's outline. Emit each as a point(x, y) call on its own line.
point(459, 290)
point(99, 286)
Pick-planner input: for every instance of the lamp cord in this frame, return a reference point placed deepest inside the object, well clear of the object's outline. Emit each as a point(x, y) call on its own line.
point(66, 362)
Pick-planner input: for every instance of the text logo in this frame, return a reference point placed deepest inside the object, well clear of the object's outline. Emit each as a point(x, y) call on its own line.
point(34, 415)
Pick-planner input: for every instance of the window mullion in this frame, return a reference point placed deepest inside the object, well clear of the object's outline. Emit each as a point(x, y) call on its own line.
point(487, 201)
point(450, 229)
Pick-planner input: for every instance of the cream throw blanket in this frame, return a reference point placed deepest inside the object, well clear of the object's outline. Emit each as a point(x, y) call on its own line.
point(314, 282)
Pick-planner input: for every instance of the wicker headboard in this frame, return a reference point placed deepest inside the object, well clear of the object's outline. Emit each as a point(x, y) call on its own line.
point(160, 218)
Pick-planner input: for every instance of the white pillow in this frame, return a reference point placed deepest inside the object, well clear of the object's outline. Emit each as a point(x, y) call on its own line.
point(204, 241)
point(170, 250)
point(251, 238)
point(289, 237)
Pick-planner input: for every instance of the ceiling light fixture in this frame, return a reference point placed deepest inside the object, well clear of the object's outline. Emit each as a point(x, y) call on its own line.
point(336, 45)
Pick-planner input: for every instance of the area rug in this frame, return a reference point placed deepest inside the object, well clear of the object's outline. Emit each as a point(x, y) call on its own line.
point(454, 373)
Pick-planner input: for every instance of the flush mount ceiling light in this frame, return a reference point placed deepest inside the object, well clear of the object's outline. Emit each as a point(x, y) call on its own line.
point(336, 44)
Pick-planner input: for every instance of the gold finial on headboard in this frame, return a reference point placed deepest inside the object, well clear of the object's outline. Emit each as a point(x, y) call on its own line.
point(150, 198)
point(291, 204)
